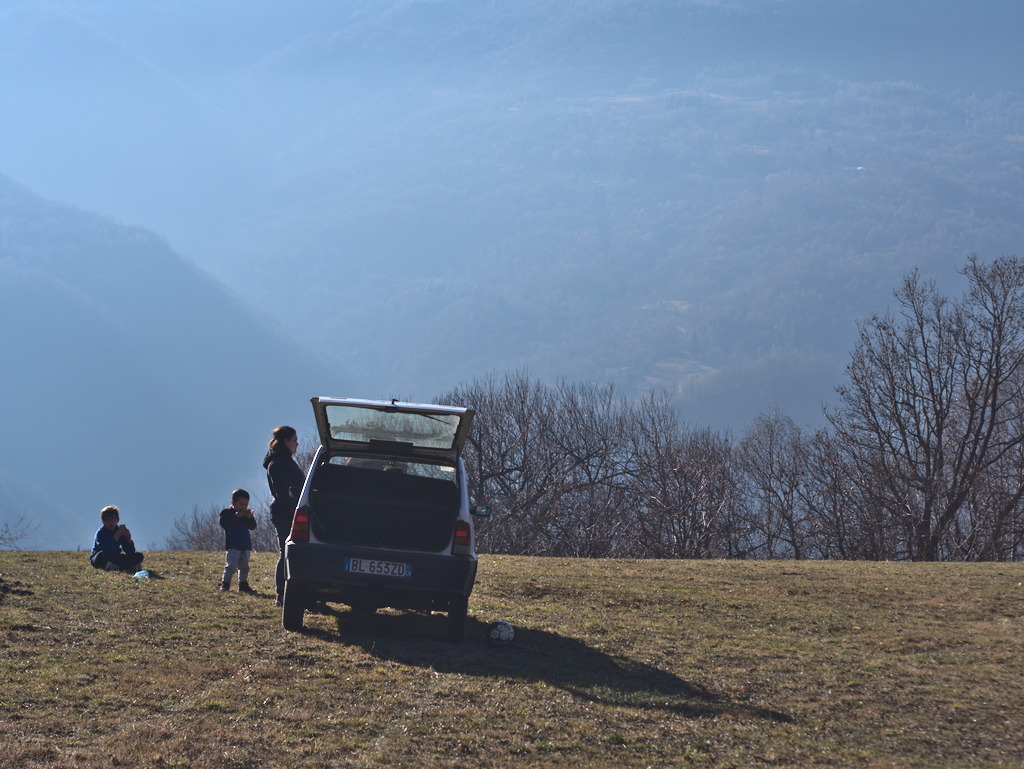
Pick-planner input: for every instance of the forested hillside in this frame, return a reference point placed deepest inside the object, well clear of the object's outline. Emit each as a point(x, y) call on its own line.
point(720, 242)
point(700, 196)
point(704, 197)
point(130, 377)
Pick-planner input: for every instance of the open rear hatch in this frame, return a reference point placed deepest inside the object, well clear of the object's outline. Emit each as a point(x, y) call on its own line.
point(415, 431)
point(395, 485)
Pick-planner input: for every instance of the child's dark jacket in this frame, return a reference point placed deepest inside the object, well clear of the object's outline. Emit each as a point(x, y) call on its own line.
point(107, 544)
point(236, 530)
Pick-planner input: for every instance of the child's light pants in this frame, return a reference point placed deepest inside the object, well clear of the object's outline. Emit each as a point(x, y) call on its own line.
point(236, 560)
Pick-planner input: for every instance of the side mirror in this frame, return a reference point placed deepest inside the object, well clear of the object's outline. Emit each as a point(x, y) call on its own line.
point(480, 511)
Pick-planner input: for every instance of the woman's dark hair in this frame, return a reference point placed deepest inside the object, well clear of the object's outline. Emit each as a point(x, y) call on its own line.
point(280, 435)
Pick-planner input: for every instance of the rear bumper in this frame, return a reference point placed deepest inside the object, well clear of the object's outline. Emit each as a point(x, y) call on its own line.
point(435, 579)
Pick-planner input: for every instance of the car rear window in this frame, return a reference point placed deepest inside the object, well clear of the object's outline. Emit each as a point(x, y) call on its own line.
point(363, 425)
point(422, 469)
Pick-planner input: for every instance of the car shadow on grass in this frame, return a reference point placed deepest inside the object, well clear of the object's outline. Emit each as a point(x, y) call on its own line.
point(415, 639)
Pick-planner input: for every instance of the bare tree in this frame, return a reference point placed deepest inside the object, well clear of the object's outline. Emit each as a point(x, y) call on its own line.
point(576, 470)
point(772, 461)
point(683, 487)
point(513, 462)
point(12, 532)
point(990, 526)
point(932, 401)
point(591, 435)
point(198, 530)
point(827, 495)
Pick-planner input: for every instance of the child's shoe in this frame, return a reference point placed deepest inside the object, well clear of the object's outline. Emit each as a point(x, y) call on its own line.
point(111, 566)
point(243, 587)
point(225, 585)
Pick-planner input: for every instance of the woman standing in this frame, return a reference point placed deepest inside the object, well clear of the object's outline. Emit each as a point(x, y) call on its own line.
point(285, 480)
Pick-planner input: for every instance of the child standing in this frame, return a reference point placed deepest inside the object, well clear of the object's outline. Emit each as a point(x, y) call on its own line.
point(113, 547)
point(237, 522)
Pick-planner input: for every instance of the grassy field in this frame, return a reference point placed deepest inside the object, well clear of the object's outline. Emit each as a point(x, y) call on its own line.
point(616, 664)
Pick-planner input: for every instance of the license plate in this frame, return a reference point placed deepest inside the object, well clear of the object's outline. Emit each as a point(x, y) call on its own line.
point(378, 568)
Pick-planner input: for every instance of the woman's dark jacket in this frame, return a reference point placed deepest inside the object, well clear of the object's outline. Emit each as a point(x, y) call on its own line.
point(282, 475)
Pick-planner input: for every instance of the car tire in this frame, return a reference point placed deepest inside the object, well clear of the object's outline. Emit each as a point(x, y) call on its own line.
point(457, 611)
point(294, 605)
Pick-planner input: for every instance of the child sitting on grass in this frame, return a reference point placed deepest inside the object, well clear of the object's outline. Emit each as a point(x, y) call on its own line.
point(113, 548)
point(237, 522)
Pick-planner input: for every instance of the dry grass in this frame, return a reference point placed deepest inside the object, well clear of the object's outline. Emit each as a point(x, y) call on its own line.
point(616, 663)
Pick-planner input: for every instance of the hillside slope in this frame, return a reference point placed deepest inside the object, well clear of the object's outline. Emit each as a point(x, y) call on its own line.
point(130, 377)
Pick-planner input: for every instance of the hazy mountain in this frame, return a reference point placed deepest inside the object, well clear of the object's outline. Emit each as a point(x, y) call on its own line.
point(130, 377)
point(703, 196)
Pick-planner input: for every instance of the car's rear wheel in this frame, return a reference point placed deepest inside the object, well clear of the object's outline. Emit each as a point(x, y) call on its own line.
point(294, 604)
point(457, 611)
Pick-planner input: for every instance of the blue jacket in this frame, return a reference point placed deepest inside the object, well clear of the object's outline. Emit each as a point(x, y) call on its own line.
point(236, 530)
point(106, 543)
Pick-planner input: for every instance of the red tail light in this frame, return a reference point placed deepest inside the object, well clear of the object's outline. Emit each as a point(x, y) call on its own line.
point(462, 544)
point(300, 525)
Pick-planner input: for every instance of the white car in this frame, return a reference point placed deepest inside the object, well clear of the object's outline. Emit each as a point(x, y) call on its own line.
point(385, 518)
